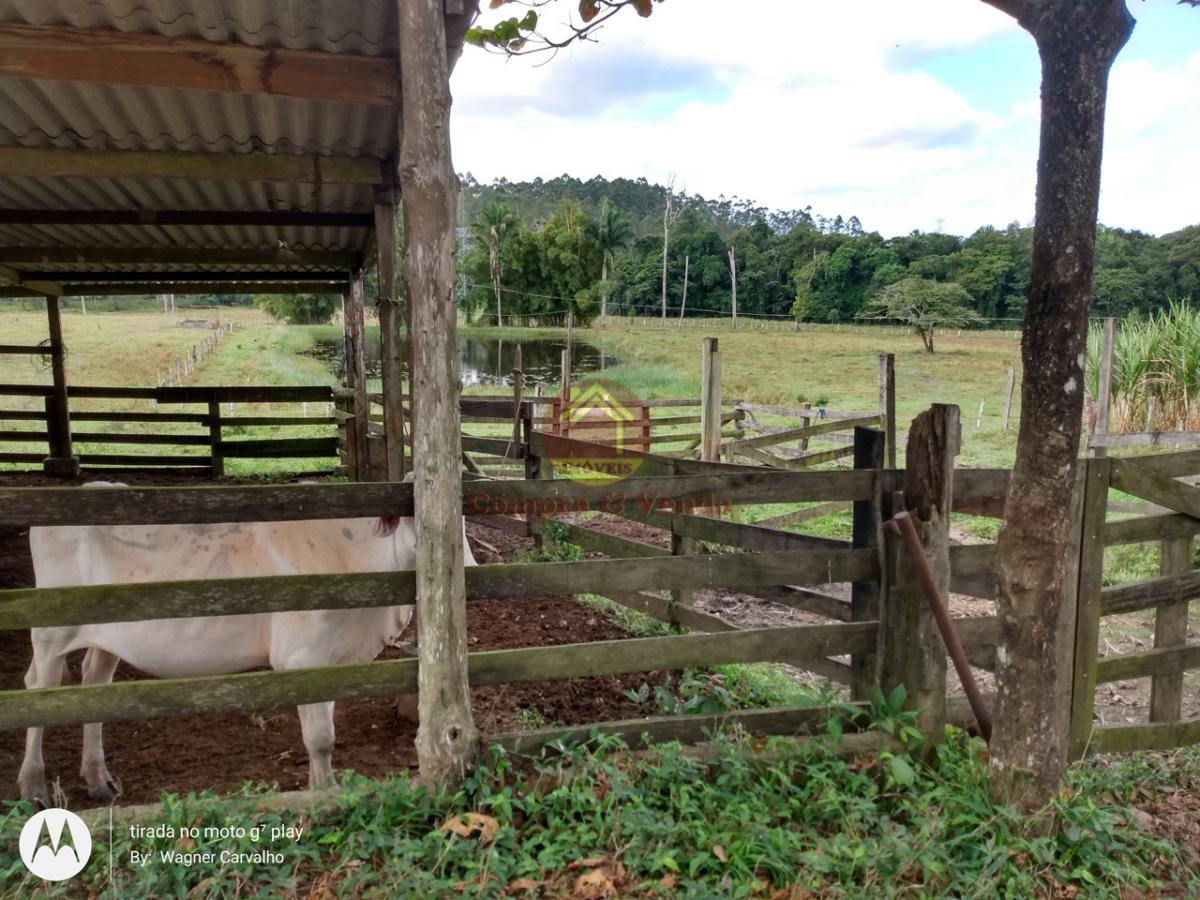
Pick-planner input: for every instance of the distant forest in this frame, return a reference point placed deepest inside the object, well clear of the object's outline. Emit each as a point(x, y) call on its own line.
point(549, 244)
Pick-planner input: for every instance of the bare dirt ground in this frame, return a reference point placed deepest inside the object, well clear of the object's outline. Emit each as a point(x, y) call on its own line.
point(1117, 703)
point(223, 751)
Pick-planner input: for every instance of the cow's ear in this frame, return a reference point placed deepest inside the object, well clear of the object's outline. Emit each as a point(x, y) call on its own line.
point(387, 526)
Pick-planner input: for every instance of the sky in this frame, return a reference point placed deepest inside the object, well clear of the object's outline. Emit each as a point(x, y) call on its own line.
point(910, 115)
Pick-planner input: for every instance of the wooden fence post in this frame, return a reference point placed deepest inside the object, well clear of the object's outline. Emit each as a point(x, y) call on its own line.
point(389, 339)
point(1008, 395)
point(356, 375)
point(1170, 630)
point(867, 528)
point(710, 401)
point(887, 404)
point(911, 649)
point(61, 462)
point(214, 438)
point(1087, 611)
point(1103, 390)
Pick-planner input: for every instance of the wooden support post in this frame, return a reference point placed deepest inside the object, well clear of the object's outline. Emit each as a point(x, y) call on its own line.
point(1008, 395)
point(214, 438)
point(356, 375)
point(683, 305)
point(681, 545)
point(518, 377)
point(710, 401)
point(1097, 473)
point(61, 462)
point(733, 281)
point(447, 739)
point(867, 534)
point(1103, 389)
point(887, 404)
point(565, 387)
point(570, 332)
point(911, 649)
point(389, 337)
point(1170, 630)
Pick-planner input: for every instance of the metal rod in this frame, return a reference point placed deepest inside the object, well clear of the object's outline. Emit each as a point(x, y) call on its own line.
point(902, 524)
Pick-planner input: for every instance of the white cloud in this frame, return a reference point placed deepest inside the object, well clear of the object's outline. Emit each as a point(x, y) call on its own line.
point(795, 103)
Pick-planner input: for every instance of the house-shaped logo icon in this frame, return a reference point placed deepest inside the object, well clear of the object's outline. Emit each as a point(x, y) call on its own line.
point(595, 433)
point(55, 844)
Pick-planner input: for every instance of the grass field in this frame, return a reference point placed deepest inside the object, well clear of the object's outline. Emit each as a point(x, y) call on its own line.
point(778, 367)
point(135, 349)
point(787, 367)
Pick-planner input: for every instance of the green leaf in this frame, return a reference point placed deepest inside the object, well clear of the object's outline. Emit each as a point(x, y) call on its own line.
point(901, 771)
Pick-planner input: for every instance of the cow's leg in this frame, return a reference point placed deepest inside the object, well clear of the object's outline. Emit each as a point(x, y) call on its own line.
point(45, 671)
point(407, 708)
point(316, 725)
point(98, 668)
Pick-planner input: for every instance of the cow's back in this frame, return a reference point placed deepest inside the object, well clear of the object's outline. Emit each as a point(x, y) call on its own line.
point(66, 556)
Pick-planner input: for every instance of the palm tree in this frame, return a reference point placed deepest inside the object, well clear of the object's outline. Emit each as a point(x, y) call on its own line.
point(612, 232)
point(495, 222)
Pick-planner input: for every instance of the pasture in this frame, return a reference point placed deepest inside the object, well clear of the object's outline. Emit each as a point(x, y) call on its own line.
point(591, 812)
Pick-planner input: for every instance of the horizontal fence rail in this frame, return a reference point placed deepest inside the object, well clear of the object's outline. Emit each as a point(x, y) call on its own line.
point(266, 690)
point(40, 607)
point(266, 503)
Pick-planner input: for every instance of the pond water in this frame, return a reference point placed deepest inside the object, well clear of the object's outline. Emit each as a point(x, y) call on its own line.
point(489, 361)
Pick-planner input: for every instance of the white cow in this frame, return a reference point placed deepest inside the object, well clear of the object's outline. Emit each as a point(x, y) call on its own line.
point(176, 648)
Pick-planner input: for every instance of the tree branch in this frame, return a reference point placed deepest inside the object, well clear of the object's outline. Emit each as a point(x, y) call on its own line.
point(1015, 8)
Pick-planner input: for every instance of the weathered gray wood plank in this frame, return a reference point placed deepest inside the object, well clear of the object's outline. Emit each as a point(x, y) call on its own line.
point(41, 607)
point(266, 690)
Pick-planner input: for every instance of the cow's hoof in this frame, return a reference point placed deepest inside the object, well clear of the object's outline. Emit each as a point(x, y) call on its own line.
point(104, 793)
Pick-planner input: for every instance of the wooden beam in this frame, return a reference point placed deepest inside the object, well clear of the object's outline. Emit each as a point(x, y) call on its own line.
point(332, 259)
point(174, 276)
point(61, 53)
point(40, 162)
point(1141, 481)
point(256, 217)
point(202, 287)
point(130, 700)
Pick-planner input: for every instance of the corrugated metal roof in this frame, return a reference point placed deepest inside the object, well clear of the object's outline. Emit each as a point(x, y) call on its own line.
point(366, 27)
point(43, 113)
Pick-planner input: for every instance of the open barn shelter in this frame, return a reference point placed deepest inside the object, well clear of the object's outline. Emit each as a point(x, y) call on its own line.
point(196, 147)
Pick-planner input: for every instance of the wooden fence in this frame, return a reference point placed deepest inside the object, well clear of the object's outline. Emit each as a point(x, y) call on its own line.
point(872, 634)
point(197, 437)
point(776, 565)
point(1153, 478)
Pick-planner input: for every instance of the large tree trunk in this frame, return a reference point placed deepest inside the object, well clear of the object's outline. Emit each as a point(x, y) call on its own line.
point(1078, 41)
point(446, 739)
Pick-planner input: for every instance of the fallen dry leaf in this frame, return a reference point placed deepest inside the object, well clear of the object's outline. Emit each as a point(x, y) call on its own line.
point(521, 885)
point(321, 890)
point(719, 853)
point(592, 862)
point(468, 824)
point(593, 885)
point(668, 881)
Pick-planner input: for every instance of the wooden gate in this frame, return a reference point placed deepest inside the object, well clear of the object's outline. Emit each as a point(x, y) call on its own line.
point(1173, 519)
